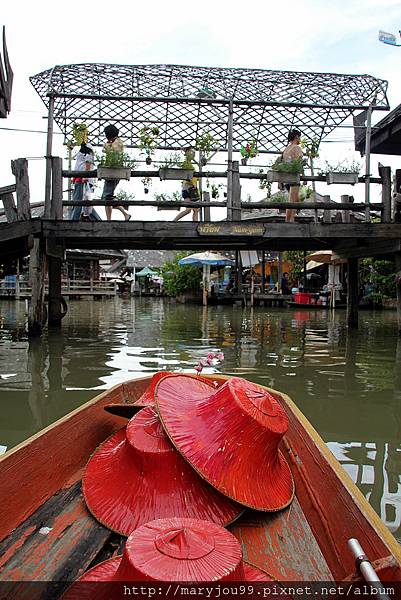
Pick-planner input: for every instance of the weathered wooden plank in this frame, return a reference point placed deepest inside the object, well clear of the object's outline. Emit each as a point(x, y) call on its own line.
point(37, 267)
point(54, 304)
point(345, 214)
point(29, 477)
point(385, 174)
point(398, 286)
point(10, 209)
point(19, 167)
point(7, 189)
point(19, 229)
point(282, 544)
point(56, 208)
point(236, 192)
point(61, 553)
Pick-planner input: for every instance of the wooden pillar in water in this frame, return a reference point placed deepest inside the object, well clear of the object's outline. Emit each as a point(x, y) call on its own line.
point(54, 250)
point(398, 284)
point(352, 292)
point(54, 291)
point(263, 271)
point(37, 269)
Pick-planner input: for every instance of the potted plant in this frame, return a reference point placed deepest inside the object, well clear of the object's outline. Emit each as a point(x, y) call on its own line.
point(148, 142)
point(147, 182)
point(286, 171)
point(175, 197)
point(186, 170)
point(207, 145)
point(248, 150)
point(341, 173)
point(114, 165)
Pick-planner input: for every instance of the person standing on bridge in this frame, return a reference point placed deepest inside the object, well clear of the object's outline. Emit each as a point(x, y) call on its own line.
point(292, 152)
point(83, 186)
point(113, 144)
point(190, 190)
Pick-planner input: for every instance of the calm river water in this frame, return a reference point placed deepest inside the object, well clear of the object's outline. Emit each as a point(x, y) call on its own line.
point(347, 383)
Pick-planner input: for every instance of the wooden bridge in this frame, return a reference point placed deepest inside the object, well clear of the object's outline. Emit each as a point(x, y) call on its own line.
point(47, 238)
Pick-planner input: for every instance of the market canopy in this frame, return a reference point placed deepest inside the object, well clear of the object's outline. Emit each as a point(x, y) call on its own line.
point(146, 271)
point(206, 258)
point(184, 102)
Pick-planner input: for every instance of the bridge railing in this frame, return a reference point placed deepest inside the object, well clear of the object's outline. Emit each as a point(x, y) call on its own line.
point(388, 209)
point(17, 287)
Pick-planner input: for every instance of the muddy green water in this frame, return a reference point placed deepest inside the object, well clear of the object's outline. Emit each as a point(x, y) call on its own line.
point(347, 383)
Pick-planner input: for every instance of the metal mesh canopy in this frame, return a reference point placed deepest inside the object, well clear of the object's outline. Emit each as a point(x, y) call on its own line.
point(185, 102)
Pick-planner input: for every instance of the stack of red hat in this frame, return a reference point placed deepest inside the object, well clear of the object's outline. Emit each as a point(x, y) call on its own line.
point(181, 470)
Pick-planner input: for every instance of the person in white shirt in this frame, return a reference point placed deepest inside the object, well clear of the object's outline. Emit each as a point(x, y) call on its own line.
point(83, 186)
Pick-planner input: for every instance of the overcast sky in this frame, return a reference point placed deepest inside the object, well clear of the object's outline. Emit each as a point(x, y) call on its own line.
point(310, 35)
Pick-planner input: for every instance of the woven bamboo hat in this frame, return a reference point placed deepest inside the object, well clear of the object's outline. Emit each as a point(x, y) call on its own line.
point(177, 549)
point(230, 436)
point(129, 409)
point(137, 476)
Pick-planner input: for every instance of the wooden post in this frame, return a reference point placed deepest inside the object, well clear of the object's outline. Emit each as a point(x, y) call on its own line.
point(54, 291)
point(230, 161)
point(10, 210)
point(263, 271)
point(236, 192)
point(326, 212)
point(56, 208)
point(385, 174)
point(345, 213)
point(37, 267)
point(352, 292)
point(367, 160)
point(279, 271)
point(19, 168)
point(206, 209)
point(201, 210)
point(49, 145)
point(398, 284)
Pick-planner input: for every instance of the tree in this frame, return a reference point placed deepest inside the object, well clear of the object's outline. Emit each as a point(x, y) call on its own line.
point(179, 279)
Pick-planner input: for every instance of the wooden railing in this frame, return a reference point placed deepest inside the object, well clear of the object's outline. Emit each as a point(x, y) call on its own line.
point(22, 288)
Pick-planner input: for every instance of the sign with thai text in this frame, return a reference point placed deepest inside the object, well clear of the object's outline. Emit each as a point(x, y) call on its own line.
point(231, 229)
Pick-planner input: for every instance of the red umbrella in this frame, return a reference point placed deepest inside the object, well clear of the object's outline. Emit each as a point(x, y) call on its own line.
point(177, 549)
point(230, 436)
point(137, 476)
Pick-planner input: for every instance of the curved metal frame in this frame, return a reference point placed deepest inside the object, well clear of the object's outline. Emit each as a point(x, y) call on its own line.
point(184, 102)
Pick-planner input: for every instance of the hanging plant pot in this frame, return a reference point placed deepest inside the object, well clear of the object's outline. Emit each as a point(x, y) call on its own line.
point(148, 160)
point(345, 178)
point(169, 208)
point(146, 190)
point(244, 161)
point(204, 162)
point(283, 177)
point(171, 173)
point(113, 173)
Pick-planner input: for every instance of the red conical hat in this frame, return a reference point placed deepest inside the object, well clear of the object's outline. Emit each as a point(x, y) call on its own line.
point(129, 409)
point(137, 476)
point(230, 436)
point(177, 549)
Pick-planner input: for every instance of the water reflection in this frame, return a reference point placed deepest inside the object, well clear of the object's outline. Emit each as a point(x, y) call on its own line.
point(348, 383)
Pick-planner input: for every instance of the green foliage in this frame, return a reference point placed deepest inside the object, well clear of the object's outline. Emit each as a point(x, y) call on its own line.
point(112, 158)
point(124, 196)
point(180, 279)
point(174, 197)
point(279, 197)
point(171, 160)
point(206, 143)
point(305, 192)
point(311, 147)
point(296, 258)
point(292, 166)
point(379, 275)
point(341, 167)
point(148, 139)
point(250, 149)
point(265, 185)
point(79, 135)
